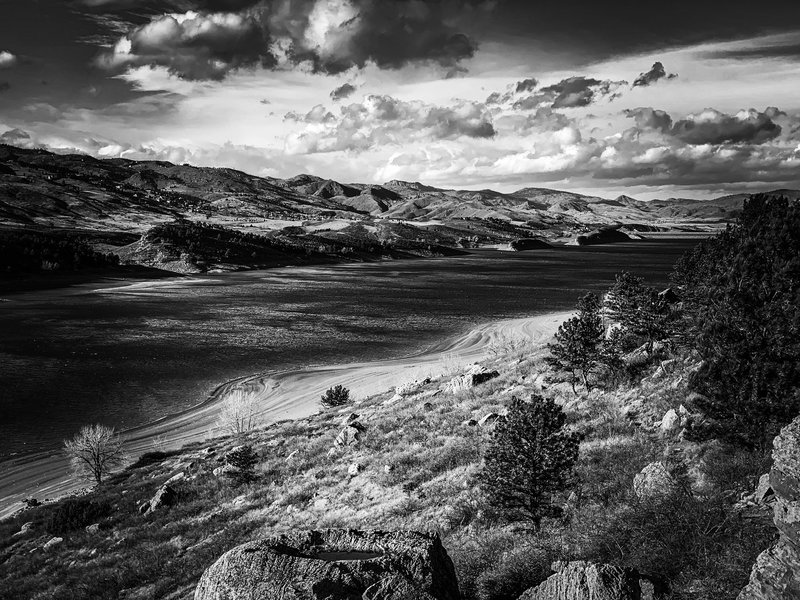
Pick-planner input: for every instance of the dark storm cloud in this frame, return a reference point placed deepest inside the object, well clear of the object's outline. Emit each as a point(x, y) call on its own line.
point(573, 92)
point(526, 85)
point(781, 50)
point(591, 30)
point(656, 73)
point(331, 37)
point(714, 127)
point(343, 91)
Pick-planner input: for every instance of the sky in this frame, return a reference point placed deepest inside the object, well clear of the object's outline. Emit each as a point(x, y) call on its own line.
point(682, 99)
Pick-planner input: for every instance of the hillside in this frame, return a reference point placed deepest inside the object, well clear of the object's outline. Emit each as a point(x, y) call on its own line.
point(307, 218)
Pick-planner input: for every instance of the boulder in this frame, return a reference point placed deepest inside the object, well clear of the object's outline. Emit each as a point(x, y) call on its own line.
point(580, 580)
point(93, 529)
point(334, 564)
point(489, 419)
point(349, 418)
point(26, 527)
point(670, 422)
point(653, 481)
point(776, 574)
point(52, 542)
point(475, 376)
point(354, 469)
point(177, 477)
point(348, 436)
point(165, 496)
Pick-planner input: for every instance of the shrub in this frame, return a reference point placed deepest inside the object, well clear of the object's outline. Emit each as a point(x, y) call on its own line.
point(149, 458)
point(336, 396)
point(682, 541)
point(529, 460)
point(244, 460)
point(76, 513)
point(238, 413)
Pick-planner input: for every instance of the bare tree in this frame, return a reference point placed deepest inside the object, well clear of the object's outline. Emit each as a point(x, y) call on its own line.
point(238, 413)
point(94, 452)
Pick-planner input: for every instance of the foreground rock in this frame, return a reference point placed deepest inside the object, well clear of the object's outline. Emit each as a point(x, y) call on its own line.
point(334, 564)
point(776, 574)
point(580, 580)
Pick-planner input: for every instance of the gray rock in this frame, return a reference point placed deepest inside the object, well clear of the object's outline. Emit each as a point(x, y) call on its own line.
point(764, 492)
point(670, 422)
point(354, 469)
point(776, 574)
point(349, 436)
point(653, 481)
point(26, 527)
point(53, 542)
point(93, 529)
point(580, 580)
point(164, 497)
point(334, 565)
point(489, 419)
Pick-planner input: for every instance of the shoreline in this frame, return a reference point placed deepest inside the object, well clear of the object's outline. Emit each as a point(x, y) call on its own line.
point(282, 395)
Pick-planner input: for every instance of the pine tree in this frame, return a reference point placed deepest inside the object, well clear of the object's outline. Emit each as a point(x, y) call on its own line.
point(639, 308)
point(529, 460)
point(578, 345)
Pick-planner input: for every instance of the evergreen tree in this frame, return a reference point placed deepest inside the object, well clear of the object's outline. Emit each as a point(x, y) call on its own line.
point(577, 349)
point(529, 460)
point(643, 313)
point(744, 294)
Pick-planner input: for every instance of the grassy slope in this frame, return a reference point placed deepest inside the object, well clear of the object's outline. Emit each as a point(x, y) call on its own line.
point(435, 456)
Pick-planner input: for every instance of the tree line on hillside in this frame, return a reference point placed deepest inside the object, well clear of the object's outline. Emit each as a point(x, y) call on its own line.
point(31, 252)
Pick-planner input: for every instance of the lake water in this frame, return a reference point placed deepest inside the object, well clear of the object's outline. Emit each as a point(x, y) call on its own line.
point(125, 354)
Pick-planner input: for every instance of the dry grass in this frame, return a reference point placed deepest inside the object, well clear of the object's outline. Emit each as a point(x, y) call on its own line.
point(420, 470)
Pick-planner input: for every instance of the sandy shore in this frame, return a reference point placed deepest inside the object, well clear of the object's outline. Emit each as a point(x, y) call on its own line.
point(282, 395)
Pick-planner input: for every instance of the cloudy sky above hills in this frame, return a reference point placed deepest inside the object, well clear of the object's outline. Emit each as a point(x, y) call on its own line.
point(680, 99)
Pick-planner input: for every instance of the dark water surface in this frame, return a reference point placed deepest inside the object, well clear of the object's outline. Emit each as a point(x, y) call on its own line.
point(125, 354)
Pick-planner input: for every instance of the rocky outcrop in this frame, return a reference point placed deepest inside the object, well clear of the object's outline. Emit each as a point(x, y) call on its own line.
point(776, 574)
point(334, 564)
point(580, 580)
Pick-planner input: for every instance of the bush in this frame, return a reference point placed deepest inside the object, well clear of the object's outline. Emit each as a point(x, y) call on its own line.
point(76, 513)
point(149, 458)
point(244, 460)
point(336, 396)
point(685, 542)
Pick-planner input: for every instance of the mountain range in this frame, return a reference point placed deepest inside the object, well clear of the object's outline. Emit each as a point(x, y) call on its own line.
point(115, 204)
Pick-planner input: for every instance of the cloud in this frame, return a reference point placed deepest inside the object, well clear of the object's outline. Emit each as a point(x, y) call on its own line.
point(192, 45)
point(16, 137)
point(7, 59)
point(4, 86)
point(655, 73)
point(325, 36)
point(383, 120)
point(650, 118)
point(343, 91)
point(573, 92)
point(526, 85)
point(714, 127)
